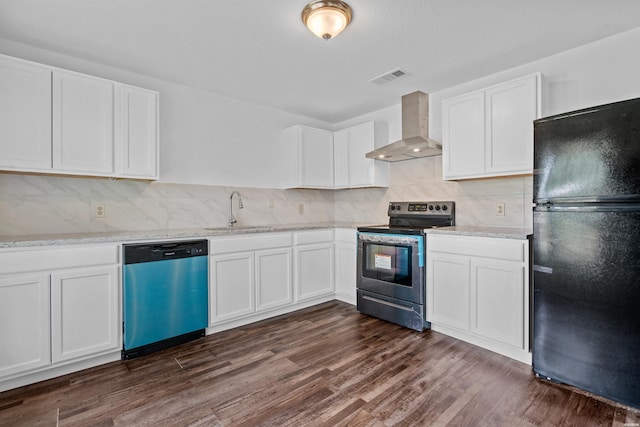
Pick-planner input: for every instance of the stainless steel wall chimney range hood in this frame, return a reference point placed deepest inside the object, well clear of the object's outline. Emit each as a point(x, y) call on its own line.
point(415, 142)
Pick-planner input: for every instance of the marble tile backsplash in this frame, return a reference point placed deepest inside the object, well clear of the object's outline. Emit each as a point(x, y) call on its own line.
point(31, 204)
point(421, 179)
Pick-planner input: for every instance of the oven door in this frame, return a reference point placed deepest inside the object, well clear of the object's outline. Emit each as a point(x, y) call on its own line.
point(392, 265)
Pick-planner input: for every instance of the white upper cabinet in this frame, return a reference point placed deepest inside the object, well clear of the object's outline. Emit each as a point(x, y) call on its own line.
point(463, 136)
point(312, 156)
point(83, 108)
point(61, 122)
point(137, 122)
point(25, 122)
point(352, 168)
point(333, 160)
point(490, 132)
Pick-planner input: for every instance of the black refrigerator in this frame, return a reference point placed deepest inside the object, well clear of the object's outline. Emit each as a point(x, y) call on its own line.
point(586, 250)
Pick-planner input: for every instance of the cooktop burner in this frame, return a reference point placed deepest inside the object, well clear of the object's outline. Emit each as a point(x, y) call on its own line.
point(413, 217)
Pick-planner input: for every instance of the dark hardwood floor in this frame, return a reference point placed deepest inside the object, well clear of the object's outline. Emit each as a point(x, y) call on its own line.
point(326, 365)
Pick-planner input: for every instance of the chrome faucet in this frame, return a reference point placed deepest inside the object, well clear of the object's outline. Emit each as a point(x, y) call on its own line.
point(232, 219)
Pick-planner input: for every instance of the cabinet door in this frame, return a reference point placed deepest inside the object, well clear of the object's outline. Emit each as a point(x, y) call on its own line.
point(137, 118)
point(345, 262)
point(232, 286)
point(463, 136)
point(341, 159)
point(24, 324)
point(85, 312)
point(361, 169)
point(314, 270)
point(448, 290)
point(511, 109)
point(25, 122)
point(83, 136)
point(316, 158)
point(273, 278)
point(497, 292)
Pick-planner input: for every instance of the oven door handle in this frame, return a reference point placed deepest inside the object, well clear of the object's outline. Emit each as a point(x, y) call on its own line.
point(390, 304)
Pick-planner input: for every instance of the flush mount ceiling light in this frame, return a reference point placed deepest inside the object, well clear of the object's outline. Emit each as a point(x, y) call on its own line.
point(326, 19)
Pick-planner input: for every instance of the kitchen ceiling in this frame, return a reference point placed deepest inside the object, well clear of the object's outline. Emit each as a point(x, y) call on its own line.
point(259, 51)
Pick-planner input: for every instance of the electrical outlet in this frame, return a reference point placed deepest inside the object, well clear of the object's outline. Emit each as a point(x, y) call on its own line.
point(98, 210)
point(500, 209)
point(301, 208)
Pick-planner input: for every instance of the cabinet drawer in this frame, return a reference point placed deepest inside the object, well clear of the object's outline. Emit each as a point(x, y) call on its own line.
point(314, 236)
point(47, 258)
point(485, 247)
point(249, 242)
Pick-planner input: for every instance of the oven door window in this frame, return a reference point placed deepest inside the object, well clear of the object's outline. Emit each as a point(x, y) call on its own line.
point(389, 263)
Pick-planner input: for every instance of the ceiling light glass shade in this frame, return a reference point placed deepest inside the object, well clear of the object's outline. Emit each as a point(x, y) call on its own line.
point(326, 19)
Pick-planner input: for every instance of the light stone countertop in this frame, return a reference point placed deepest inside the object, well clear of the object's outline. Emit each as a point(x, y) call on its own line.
point(19, 241)
point(155, 235)
point(498, 232)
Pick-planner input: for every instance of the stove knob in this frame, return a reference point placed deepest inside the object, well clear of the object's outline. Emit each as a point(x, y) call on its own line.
point(444, 207)
point(437, 207)
point(398, 207)
point(430, 207)
point(392, 207)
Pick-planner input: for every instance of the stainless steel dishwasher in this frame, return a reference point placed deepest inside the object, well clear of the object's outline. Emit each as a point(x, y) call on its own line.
point(165, 295)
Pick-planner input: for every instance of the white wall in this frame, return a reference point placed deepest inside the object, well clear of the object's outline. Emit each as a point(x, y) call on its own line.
point(205, 138)
point(598, 73)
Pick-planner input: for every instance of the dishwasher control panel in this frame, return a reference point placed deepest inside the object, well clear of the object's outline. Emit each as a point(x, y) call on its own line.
point(158, 251)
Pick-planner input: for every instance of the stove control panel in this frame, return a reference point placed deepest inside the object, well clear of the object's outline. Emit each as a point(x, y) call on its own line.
point(420, 208)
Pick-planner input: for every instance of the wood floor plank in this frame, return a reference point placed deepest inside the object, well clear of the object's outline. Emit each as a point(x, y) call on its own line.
point(327, 365)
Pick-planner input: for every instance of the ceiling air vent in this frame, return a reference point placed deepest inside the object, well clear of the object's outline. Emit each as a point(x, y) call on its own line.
point(389, 77)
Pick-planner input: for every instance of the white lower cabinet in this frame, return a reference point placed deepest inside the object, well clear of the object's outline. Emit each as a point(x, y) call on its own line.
point(345, 264)
point(24, 323)
point(59, 311)
point(314, 261)
point(273, 278)
point(84, 312)
point(497, 295)
point(449, 290)
point(256, 276)
point(478, 291)
point(232, 286)
point(248, 274)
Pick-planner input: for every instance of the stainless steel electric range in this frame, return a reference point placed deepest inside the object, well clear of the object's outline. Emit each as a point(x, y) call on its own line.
point(391, 262)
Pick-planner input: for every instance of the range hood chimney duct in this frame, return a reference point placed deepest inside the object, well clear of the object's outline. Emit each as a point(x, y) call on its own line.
point(415, 142)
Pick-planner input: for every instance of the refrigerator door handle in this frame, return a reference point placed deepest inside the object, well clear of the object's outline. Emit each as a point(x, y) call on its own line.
point(542, 269)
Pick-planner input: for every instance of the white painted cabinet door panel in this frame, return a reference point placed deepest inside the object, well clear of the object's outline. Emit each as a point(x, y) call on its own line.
point(273, 278)
point(448, 290)
point(314, 270)
point(83, 124)
point(497, 292)
point(138, 126)
point(341, 159)
point(24, 323)
point(361, 169)
point(463, 130)
point(316, 158)
point(25, 118)
point(232, 286)
point(85, 314)
point(346, 256)
point(511, 109)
